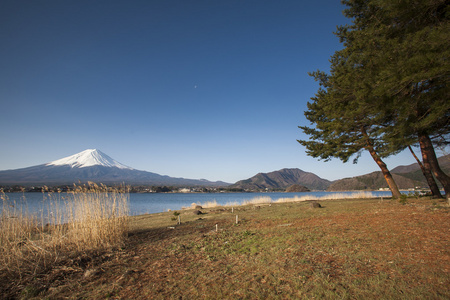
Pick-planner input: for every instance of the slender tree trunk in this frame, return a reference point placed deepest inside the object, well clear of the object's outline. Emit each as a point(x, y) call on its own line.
point(430, 161)
point(428, 176)
point(387, 175)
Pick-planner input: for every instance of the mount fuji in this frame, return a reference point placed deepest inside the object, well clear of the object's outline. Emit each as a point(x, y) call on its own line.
point(92, 165)
point(88, 158)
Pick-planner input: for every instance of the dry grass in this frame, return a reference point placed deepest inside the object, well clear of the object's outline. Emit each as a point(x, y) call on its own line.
point(334, 196)
point(89, 218)
point(258, 200)
point(208, 204)
point(267, 200)
point(254, 201)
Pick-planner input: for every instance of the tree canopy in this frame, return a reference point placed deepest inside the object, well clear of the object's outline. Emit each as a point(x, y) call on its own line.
point(405, 48)
point(389, 87)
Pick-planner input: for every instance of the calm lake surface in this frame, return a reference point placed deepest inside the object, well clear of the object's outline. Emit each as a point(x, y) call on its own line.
point(160, 202)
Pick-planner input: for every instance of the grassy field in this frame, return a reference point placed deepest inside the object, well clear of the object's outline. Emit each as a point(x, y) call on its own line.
point(348, 249)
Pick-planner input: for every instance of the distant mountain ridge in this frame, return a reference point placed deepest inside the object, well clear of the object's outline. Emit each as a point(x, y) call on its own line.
point(92, 165)
point(406, 177)
point(373, 181)
point(282, 179)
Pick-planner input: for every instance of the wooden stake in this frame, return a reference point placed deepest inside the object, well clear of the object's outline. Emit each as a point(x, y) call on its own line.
point(179, 219)
point(237, 219)
point(217, 228)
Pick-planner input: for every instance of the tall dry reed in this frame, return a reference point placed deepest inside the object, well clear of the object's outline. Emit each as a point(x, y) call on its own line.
point(90, 217)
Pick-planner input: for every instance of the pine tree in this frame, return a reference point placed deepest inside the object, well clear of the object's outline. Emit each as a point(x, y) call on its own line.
point(344, 127)
point(408, 45)
point(394, 75)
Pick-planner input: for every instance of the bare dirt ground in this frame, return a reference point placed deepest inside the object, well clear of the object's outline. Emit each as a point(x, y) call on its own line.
point(349, 249)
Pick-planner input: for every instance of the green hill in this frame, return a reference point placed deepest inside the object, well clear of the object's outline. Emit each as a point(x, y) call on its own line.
point(282, 179)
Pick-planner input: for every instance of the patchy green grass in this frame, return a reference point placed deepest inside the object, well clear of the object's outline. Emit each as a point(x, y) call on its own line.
point(349, 249)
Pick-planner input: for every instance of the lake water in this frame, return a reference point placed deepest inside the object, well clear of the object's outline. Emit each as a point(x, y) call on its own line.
point(160, 202)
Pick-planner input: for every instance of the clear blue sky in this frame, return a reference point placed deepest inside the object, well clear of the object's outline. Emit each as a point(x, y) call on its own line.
point(194, 89)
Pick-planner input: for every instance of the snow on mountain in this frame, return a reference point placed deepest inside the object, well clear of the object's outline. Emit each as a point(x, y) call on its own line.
point(92, 166)
point(88, 158)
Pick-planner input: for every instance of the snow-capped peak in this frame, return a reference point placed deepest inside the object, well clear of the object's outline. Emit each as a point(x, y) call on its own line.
point(88, 158)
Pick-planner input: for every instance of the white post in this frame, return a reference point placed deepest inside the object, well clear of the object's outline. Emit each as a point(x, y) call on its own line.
point(232, 210)
point(179, 219)
point(237, 219)
point(217, 228)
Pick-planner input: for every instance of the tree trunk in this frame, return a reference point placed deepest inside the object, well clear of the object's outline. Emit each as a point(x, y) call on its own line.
point(428, 176)
point(387, 175)
point(430, 161)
